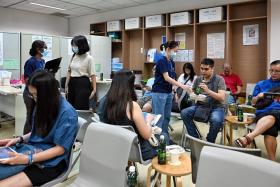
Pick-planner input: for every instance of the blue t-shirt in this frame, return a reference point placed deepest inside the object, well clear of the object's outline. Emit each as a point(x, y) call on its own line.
point(31, 65)
point(265, 86)
point(63, 133)
point(163, 66)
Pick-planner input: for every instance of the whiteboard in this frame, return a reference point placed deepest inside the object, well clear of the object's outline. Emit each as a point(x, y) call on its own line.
point(11, 54)
point(100, 50)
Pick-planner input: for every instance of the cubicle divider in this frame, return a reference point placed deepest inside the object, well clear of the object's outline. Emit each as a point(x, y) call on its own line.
point(10, 53)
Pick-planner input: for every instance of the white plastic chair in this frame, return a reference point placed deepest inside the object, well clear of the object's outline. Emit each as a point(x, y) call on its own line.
point(104, 156)
point(220, 167)
point(79, 138)
point(196, 146)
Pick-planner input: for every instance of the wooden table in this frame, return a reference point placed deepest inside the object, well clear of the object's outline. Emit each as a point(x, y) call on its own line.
point(232, 120)
point(169, 170)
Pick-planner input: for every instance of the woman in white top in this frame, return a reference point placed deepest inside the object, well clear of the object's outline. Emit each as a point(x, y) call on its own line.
point(188, 75)
point(78, 87)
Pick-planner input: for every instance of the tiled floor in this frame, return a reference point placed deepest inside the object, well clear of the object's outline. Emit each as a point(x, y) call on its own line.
point(7, 131)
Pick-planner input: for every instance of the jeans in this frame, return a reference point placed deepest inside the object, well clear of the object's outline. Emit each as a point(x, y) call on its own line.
point(216, 120)
point(162, 104)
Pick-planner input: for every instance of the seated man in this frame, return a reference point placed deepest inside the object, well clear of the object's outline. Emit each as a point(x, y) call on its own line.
point(267, 117)
point(233, 82)
point(145, 102)
point(213, 86)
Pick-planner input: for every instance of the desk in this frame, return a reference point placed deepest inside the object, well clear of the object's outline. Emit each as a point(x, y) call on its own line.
point(102, 88)
point(232, 120)
point(169, 170)
point(12, 104)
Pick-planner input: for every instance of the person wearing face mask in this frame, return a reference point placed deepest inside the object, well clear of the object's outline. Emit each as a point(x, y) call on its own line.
point(78, 87)
point(162, 88)
point(35, 62)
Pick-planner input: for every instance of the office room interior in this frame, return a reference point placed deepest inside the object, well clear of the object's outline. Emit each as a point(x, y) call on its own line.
point(202, 109)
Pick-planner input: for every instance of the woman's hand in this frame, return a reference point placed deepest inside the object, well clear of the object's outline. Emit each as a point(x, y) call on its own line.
point(92, 94)
point(9, 142)
point(16, 159)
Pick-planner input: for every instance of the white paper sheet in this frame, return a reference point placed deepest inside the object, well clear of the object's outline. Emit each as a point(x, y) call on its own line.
point(184, 56)
point(1, 49)
point(181, 37)
point(251, 34)
point(48, 41)
point(216, 45)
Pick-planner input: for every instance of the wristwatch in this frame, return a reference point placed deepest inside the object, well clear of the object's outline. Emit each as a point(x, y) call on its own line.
point(21, 140)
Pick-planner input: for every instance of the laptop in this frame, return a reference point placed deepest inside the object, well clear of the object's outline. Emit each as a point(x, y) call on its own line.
point(53, 65)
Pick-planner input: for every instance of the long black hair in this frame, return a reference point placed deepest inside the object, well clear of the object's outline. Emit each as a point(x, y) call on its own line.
point(47, 102)
point(190, 67)
point(119, 95)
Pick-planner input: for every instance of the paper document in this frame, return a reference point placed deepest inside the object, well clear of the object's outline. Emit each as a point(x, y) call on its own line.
point(216, 45)
point(251, 34)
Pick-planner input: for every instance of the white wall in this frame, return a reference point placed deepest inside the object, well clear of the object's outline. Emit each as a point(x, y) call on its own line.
point(12, 20)
point(81, 25)
point(275, 31)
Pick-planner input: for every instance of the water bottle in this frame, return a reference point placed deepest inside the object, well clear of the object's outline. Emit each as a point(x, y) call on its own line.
point(239, 114)
point(162, 151)
point(131, 177)
point(250, 97)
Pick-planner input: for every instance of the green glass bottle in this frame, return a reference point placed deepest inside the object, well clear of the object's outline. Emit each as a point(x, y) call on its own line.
point(162, 151)
point(198, 90)
point(239, 114)
point(132, 177)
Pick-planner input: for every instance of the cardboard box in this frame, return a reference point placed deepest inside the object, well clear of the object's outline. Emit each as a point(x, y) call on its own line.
point(211, 14)
point(180, 18)
point(113, 26)
point(132, 23)
point(153, 21)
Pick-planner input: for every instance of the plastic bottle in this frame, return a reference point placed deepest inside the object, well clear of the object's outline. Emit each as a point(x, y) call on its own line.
point(198, 90)
point(239, 113)
point(162, 151)
point(131, 177)
point(250, 97)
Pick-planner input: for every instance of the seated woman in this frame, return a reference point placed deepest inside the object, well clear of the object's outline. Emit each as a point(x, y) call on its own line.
point(119, 107)
point(42, 154)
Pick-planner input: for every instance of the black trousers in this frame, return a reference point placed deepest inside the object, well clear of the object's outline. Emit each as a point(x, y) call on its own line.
point(28, 103)
point(79, 90)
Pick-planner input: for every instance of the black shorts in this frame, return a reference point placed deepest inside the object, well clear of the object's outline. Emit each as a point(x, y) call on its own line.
point(39, 176)
point(272, 131)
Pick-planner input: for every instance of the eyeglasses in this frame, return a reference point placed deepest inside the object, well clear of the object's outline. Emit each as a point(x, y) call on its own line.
point(204, 69)
point(271, 71)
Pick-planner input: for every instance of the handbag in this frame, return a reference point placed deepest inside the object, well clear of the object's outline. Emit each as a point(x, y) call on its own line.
point(203, 111)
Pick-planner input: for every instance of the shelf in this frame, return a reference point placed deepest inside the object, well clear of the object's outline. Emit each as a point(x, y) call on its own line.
point(248, 19)
point(212, 22)
point(139, 29)
point(150, 28)
point(149, 62)
point(116, 42)
point(97, 33)
point(176, 26)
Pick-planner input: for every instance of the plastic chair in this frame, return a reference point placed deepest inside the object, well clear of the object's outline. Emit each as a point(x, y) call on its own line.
point(135, 154)
point(219, 167)
point(196, 146)
point(79, 138)
point(104, 156)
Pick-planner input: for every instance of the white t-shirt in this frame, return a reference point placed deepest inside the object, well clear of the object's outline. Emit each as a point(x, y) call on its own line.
point(82, 65)
point(182, 80)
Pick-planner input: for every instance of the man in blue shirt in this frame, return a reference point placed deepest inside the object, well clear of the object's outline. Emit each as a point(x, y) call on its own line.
point(268, 118)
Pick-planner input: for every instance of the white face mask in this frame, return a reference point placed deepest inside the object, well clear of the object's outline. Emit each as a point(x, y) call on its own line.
point(75, 49)
point(172, 55)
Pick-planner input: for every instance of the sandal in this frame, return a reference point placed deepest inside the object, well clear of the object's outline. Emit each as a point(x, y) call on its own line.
point(239, 143)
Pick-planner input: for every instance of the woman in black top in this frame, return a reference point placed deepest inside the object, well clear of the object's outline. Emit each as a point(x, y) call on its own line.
point(120, 108)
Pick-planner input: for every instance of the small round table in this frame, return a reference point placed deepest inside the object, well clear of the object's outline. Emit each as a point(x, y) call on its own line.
point(230, 121)
point(171, 171)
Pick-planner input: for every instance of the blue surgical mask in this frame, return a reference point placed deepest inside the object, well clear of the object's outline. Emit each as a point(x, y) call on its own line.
point(45, 53)
point(172, 55)
point(75, 49)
